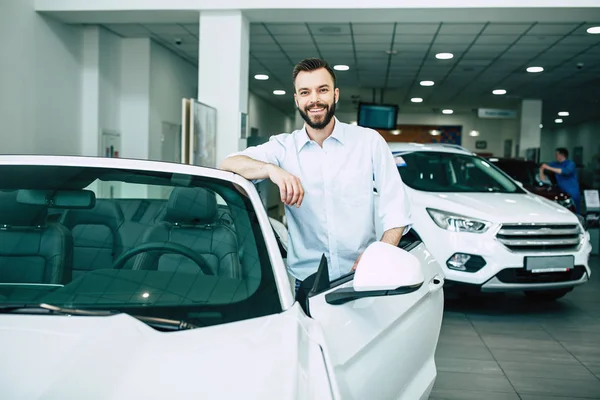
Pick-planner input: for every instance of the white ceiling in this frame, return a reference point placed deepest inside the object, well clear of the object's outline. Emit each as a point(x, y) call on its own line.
point(487, 56)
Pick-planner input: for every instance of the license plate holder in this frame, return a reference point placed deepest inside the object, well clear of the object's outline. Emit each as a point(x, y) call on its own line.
point(543, 264)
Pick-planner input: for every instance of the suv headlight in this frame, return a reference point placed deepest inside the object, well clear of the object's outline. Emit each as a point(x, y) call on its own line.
point(568, 202)
point(457, 223)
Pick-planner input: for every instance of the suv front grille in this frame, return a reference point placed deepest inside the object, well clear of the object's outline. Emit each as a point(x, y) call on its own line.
point(540, 237)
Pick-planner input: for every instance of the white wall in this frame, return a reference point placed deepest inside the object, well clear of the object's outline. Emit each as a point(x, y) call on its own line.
point(171, 79)
point(586, 135)
point(268, 119)
point(39, 82)
point(493, 131)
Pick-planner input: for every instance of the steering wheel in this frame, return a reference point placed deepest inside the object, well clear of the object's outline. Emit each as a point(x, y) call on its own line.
point(164, 247)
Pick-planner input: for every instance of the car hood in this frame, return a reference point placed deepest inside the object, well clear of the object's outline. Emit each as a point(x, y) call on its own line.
point(118, 357)
point(498, 207)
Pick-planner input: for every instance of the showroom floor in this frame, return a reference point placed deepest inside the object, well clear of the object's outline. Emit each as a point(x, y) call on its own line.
point(496, 347)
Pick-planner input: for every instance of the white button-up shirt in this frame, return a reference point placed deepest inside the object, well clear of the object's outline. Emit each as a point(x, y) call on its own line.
point(337, 215)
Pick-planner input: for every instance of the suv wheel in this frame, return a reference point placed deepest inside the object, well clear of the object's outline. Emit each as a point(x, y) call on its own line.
point(546, 295)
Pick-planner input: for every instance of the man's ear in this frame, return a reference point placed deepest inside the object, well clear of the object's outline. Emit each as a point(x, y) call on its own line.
point(296, 100)
point(337, 95)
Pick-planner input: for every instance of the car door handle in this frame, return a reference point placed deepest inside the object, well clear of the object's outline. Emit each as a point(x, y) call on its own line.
point(437, 282)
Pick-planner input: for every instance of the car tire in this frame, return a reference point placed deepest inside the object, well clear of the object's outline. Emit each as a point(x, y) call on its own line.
point(546, 295)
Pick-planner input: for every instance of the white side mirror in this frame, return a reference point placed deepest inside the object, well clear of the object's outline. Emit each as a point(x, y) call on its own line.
point(519, 183)
point(386, 267)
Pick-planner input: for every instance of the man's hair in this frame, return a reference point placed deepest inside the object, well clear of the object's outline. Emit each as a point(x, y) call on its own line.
point(563, 151)
point(312, 64)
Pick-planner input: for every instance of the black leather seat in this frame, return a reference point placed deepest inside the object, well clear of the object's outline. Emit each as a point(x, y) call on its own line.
point(191, 220)
point(96, 236)
point(32, 251)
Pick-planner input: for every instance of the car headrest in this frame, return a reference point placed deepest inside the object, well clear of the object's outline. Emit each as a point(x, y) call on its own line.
point(105, 212)
point(191, 206)
point(15, 214)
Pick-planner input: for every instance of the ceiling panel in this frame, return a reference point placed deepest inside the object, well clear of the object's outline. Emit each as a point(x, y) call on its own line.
point(455, 39)
point(287, 29)
point(377, 39)
point(413, 39)
point(461, 29)
point(373, 29)
point(552, 29)
point(506, 29)
point(496, 39)
point(329, 39)
point(416, 29)
point(339, 29)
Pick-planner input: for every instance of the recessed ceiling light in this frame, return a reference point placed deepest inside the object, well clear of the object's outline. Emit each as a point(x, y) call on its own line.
point(341, 67)
point(391, 52)
point(427, 83)
point(416, 100)
point(563, 114)
point(279, 92)
point(499, 92)
point(396, 132)
point(541, 126)
point(474, 133)
point(447, 112)
point(434, 132)
point(558, 121)
point(594, 30)
point(444, 56)
point(261, 77)
point(535, 70)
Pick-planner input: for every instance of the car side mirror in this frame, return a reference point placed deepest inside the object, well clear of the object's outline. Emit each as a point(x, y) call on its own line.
point(520, 183)
point(383, 270)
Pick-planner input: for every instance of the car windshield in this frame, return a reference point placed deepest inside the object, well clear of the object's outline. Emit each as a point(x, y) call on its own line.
point(524, 172)
point(452, 172)
point(155, 244)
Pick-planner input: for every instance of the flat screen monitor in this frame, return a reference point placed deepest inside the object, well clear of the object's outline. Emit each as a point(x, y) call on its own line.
point(377, 116)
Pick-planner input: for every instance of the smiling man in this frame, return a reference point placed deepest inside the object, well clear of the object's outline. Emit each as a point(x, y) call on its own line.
point(326, 173)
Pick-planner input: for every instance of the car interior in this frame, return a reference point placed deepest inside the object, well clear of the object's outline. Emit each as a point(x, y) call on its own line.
point(199, 245)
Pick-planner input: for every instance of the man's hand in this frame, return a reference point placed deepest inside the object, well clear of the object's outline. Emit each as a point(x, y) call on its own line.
point(543, 167)
point(356, 262)
point(290, 188)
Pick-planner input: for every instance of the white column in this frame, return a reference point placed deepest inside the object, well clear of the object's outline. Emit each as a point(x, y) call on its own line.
point(223, 73)
point(90, 91)
point(531, 118)
point(135, 98)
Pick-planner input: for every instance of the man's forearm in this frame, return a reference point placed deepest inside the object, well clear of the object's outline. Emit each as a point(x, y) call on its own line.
point(393, 236)
point(555, 170)
point(247, 167)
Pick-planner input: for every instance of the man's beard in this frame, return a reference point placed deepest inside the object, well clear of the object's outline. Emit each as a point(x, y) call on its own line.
point(319, 125)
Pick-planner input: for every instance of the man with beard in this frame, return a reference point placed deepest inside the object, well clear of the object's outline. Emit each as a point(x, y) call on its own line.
point(326, 173)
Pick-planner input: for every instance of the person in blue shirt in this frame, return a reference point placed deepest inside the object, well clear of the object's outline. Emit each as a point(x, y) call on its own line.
point(566, 175)
point(326, 173)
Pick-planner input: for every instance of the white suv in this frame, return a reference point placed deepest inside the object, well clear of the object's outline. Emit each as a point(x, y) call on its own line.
point(486, 231)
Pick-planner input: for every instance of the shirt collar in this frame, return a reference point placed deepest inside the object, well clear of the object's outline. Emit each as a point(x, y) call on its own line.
point(338, 134)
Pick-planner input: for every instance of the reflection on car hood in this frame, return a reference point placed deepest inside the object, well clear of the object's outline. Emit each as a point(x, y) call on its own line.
point(118, 357)
point(498, 207)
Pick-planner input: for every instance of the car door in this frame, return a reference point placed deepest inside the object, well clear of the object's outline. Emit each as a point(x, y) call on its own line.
point(383, 347)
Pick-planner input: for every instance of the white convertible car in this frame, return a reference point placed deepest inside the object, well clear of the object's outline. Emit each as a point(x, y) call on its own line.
point(128, 279)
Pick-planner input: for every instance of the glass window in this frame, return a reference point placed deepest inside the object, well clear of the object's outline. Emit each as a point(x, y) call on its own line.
point(154, 244)
point(453, 172)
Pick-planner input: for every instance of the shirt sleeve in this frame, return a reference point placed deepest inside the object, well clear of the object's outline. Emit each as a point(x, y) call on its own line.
point(272, 152)
point(394, 205)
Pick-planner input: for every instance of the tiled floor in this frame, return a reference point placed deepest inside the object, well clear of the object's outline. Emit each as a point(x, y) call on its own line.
point(506, 347)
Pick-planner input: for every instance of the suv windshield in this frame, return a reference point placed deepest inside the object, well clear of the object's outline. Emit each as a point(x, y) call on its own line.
point(153, 244)
point(522, 171)
point(451, 172)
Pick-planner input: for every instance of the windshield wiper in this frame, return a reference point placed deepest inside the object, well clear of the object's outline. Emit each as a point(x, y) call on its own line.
point(155, 322)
